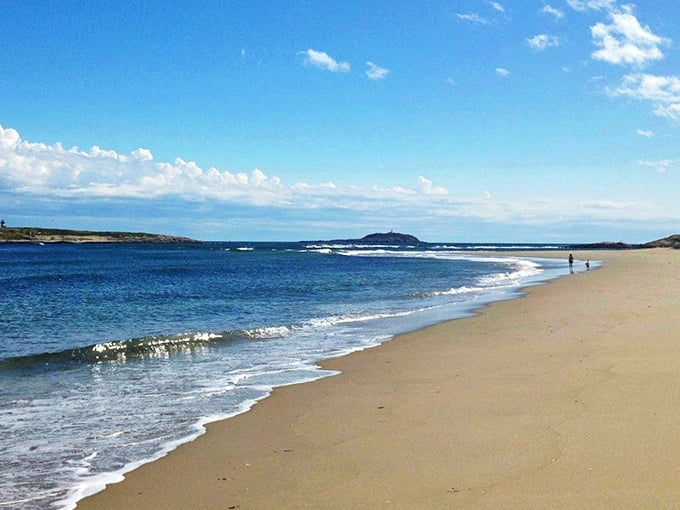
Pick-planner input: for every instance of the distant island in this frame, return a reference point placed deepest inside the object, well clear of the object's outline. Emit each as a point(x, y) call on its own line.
point(379, 238)
point(56, 235)
point(389, 238)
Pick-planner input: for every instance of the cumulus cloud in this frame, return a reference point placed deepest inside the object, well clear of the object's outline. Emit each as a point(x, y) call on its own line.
point(557, 13)
point(50, 170)
point(375, 72)
point(425, 186)
point(662, 91)
point(542, 41)
point(323, 60)
point(501, 71)
point(38, 168)
point(9, 138)
point(142, 155)
point(646, 134)
point(625, 41)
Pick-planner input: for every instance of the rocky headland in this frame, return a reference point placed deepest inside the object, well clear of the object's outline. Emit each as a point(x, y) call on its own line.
point(55, 235)
point(672, 241)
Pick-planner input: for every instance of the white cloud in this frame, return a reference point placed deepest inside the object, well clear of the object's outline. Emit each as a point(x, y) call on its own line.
point(37, 168)
point(503, 72)
point(142, 155)
point(670, 111)
point(37, 172)
point(557, 13)
point(258, 177)
point(662, 91)
point(497, 6)
point(9, 138)
point(585, 5)
point(50, 170)
point(375, 72)
point(542, 41)
point(425, 186)
point(472, 17)
point(625, 41)
point(661, 165)
point(646, 134)
point(323, 60)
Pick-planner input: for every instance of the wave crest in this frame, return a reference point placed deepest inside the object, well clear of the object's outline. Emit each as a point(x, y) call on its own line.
point(160, 346)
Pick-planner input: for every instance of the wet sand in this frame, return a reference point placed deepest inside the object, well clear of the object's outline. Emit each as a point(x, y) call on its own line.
point(566, 398)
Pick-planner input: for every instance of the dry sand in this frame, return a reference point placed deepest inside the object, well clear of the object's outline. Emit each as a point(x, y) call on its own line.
point(568, 398)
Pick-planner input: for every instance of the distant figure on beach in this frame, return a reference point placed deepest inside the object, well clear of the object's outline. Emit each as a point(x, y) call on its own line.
point(571, 260)
point(587, 264)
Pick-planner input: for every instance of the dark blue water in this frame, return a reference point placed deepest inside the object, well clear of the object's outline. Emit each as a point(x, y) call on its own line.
point(112, 354)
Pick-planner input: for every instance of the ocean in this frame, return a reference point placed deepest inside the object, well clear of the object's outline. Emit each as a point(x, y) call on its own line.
point(111, 355)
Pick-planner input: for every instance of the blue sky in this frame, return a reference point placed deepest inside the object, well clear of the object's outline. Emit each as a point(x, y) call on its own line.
point(460, 120)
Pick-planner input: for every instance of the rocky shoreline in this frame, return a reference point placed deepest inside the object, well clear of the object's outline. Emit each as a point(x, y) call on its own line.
point(667, 242)
point(54, 235)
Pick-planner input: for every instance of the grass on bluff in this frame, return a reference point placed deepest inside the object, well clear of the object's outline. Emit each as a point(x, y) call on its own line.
point(37, 234)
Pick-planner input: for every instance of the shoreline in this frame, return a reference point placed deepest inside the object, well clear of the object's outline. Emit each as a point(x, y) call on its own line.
point(510, 292)
point(387, 428)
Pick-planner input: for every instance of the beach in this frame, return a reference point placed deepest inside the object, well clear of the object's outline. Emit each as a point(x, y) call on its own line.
point(565, 398)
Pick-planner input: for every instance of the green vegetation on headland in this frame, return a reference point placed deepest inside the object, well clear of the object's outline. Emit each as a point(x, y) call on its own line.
point(667, 242)
point(56, 235)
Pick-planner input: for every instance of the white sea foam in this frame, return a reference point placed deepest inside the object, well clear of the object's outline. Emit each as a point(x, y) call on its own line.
point(39, 496)
point(91, 484)
point(520, 270)
point(353, 246)
point(336, 320)
point(313, 247)
point(446, 247)
point(456, 291)
point(321, 250)
point(268, 332)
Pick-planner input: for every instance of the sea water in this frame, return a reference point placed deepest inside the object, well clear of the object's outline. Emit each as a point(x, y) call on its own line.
point(113, 354)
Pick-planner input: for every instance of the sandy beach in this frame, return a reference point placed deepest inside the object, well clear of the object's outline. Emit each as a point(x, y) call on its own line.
point(566, 398)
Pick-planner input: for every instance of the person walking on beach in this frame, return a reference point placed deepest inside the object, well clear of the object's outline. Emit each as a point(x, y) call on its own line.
point(571, 260)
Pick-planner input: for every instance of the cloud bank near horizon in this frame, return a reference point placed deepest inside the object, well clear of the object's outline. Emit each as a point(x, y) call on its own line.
point(38, 171)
